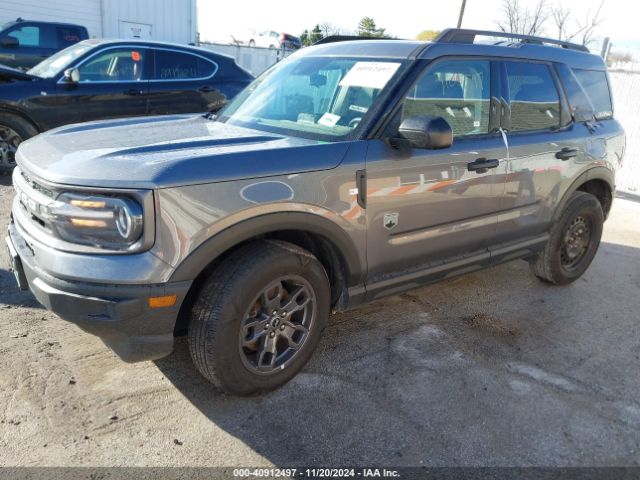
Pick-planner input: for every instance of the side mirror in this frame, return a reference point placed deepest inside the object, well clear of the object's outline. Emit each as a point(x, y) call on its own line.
point(10, 42)
point(72, 75)
point(426, 131)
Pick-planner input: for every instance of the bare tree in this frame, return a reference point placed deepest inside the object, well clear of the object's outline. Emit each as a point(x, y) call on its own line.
point(591, 23)
point(584, 31)
point(329, 29)
point(560, 16)
point(521, 20)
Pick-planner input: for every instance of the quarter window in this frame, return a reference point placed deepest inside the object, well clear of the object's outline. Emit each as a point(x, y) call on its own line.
point(115, 65)
point(457, 91)
point(595, 83)
point(535, 104)
point(171, 65)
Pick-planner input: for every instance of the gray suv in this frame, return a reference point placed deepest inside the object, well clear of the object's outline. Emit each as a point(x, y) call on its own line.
point(349, 171)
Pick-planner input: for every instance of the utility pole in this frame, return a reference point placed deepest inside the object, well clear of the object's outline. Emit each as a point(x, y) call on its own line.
point(464, 4)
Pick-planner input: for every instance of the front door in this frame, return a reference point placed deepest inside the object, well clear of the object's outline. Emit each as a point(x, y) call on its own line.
point(431, 206)
point(113, 83)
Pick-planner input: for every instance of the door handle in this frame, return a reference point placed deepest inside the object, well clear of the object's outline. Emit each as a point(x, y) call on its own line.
point(133, 92)
point(206, 89)
point(567, 153)
point(482, 165)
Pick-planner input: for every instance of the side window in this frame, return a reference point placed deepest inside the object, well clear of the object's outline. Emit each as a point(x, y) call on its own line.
point(27, 35)
point(535, 104)
point(115, 65)
point(458, 91)
point(595, 83)
point(172, 65)
point(67, 36)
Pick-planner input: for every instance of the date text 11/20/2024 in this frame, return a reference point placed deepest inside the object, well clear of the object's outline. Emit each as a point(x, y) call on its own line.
point(315, 473)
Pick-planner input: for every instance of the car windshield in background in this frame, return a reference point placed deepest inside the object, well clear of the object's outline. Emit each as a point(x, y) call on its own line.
point(55, 64)
point(313, 97)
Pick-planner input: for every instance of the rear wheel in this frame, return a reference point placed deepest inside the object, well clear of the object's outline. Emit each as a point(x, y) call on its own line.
point(259, 317)
point(13, 131)
point(573, 242)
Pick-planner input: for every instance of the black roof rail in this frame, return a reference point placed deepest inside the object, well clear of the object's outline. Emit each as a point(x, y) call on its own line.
point(347, 38)
point(463, 35)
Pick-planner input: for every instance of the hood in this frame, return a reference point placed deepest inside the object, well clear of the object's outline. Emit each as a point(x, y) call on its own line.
point(168, 151)
point(8, 73)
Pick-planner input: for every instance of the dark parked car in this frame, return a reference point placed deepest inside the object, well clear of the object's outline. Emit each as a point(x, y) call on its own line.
point(24, 43)
point(98, 79)
point(349, 172)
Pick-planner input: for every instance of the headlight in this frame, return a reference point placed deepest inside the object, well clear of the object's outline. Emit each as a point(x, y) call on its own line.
point(109, 222)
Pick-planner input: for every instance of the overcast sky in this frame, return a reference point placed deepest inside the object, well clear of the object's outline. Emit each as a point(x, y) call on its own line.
point(403, 18)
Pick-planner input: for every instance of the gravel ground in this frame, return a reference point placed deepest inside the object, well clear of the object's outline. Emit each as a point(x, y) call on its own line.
point(493, 368)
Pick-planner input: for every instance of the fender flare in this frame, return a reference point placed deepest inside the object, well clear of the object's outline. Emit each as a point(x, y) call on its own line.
point(596, 173)
point(228, 238)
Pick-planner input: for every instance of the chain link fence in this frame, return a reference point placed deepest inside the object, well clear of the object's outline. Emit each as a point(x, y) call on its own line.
point(626, 97)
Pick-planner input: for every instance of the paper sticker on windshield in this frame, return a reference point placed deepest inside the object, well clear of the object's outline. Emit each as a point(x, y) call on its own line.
point(370, 74)
point(329, 119)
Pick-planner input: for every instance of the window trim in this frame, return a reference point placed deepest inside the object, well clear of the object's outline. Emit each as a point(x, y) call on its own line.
point(150, 48)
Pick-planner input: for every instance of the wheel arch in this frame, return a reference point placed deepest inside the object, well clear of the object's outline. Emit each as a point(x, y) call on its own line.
point(598, 181)
point(21, 114)
point(333, 247)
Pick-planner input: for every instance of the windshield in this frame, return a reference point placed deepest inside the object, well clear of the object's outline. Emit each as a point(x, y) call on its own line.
point(320, 98)
point(55, 64)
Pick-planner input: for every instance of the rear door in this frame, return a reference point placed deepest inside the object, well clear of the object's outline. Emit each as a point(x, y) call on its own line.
point(183, 82)
point(430, 207)
point(546, 149)
point(113, 83)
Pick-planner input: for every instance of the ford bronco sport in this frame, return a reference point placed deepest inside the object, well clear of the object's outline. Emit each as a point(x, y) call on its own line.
point(350, 171)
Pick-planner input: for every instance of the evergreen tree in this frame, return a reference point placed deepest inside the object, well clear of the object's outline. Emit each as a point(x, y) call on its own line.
point(368, 28)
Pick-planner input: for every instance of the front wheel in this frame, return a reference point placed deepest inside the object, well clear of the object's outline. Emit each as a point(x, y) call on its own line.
point(573, 242)
point(259, 317)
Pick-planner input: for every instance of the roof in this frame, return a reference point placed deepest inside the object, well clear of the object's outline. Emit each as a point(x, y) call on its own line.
point(42, 22)
point(153, 43)
point(530, 48)
point(366, 48)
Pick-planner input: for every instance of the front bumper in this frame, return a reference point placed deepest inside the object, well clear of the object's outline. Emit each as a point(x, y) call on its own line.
point(117, 313)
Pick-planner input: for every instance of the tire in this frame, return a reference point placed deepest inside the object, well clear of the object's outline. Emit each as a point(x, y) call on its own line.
point(568, 253)
point(13, 131)
point(232, 354)
point(252, 43)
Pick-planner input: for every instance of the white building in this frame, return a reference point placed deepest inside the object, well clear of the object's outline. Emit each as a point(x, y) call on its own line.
point(163, 20)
